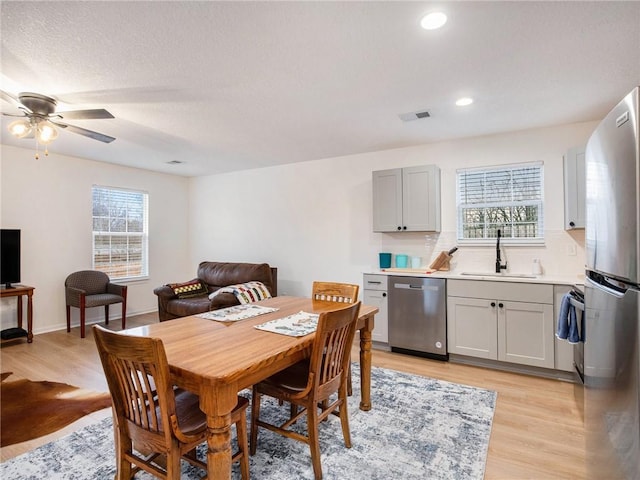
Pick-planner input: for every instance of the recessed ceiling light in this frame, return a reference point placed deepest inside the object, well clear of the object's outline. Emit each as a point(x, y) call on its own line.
point(464, 101)
point(433, 20)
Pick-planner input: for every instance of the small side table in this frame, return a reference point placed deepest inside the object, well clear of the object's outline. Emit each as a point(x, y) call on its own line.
point(20, 291)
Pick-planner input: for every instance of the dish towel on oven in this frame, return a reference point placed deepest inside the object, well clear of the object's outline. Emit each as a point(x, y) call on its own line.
point(567, 321)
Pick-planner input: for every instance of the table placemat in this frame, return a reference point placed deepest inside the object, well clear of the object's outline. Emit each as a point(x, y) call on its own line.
point(237, 312)
point(296, 325)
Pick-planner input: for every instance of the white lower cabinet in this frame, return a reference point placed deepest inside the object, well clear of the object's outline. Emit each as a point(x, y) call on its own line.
point(374, 294)
point(509, 322)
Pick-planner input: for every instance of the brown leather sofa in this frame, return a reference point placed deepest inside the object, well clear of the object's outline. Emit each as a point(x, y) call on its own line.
point(215, 275)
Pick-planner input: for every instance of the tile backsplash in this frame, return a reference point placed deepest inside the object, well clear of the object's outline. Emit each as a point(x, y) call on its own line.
point(562, 254)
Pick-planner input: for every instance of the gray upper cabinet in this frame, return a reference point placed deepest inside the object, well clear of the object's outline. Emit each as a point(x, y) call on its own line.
point(407, 199)
point(574, 189)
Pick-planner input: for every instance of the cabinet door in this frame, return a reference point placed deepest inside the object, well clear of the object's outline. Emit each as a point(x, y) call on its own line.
point(378, 298)
point(525, 333)
point(387, 200)
point(472, 325)
point(421, 198)
point(574, 189)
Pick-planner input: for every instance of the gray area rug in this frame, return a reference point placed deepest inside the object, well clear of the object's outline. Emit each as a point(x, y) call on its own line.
point(418, 428)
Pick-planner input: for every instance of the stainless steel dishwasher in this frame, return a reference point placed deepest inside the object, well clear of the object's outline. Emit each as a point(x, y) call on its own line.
point(418, 316)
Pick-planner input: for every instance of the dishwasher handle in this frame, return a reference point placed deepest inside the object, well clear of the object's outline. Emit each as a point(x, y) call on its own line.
point(408, 286)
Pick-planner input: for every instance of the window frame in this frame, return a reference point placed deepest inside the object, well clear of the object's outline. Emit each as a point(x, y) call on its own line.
point(143, 207)
point(497, 203)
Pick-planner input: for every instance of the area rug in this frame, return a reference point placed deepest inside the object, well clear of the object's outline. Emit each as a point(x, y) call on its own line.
point(418, 428)
point(32, 409)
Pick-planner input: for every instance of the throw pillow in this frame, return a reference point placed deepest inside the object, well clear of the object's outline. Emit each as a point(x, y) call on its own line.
point(193, 288)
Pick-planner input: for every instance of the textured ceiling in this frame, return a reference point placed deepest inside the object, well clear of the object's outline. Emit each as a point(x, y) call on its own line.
point(226, 86)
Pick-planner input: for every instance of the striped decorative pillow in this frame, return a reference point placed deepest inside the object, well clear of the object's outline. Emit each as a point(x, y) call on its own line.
point(246, 292)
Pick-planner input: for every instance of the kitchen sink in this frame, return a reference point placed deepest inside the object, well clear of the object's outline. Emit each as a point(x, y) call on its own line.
point(499, 275)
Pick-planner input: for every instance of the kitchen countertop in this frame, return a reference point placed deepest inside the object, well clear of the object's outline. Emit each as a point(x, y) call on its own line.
point(508, 277)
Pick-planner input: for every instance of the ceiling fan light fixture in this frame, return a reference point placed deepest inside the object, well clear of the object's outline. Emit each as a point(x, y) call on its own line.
point(20, 128)
point(46, 132)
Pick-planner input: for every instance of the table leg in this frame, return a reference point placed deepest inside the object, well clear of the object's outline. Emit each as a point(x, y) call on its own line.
point(212, 402)
point(365, 364)
point(19, 311)
point(29, 317)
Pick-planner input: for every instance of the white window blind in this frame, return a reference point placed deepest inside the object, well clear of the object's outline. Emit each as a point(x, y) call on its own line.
point(120, 232)
point(509, 198)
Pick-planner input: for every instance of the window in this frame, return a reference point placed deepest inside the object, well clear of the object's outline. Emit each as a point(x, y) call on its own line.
point(120, 232)
point(508, 198)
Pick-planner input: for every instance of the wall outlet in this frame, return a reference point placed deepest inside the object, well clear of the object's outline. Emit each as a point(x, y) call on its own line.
point(571, 250)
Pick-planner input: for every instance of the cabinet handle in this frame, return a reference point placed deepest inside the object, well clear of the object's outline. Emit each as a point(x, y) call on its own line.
point(404, 228)
point(572, 224)
point(493, 304)
point(384, 294)
point(399, 228)
point(373, 283)
point(501, 305)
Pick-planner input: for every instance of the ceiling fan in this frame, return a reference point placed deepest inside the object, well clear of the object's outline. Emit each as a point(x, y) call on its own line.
point(40, 119)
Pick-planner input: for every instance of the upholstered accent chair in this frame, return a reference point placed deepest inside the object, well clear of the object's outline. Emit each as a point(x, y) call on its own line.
point(311, 383)
point(92, 288)
point(152, 416)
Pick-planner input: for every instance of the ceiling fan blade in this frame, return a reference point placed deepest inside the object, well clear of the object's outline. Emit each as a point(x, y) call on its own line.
point(87, 133)
point(94, 114)
point(11, 115)
point(14, 101)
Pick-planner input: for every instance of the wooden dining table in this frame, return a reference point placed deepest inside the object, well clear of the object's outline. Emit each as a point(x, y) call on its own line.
point(217, 360)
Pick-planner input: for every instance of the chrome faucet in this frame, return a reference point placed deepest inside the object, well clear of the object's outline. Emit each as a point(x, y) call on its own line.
point(499, 265)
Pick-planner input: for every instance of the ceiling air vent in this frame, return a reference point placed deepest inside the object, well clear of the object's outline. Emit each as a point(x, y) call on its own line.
point(175, 162)
point(407, 117)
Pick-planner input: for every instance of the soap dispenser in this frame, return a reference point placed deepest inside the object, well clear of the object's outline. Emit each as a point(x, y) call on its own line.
point(536, 269)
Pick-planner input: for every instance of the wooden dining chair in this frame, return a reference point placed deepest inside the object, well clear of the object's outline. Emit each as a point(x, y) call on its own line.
point(334, 292)
point(341, 293)
point(311, 382)
point(152, 416)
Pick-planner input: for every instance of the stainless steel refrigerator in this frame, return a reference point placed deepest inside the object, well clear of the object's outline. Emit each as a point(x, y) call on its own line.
point(611, 361)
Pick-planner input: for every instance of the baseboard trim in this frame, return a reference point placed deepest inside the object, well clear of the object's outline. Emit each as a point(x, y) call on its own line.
point(560, 375)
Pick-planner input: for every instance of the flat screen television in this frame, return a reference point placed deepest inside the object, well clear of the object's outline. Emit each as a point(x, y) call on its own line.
point(9, 257)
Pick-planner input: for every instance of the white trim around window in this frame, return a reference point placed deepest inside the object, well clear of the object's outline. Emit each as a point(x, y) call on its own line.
point(509, 198)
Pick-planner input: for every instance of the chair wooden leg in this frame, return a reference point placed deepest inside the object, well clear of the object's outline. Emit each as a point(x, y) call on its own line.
point(106, 314)
point(344, 418)
point(82, 316)
point(255, 415)
point(243, 446)
point(314, 444)
point(173, 464)
point(68, 318)
point(349, 386)
point(124, 314)
point(122, 445)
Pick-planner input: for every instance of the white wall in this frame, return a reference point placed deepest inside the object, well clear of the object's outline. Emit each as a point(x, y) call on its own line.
point(50, 201)
point(313, 220)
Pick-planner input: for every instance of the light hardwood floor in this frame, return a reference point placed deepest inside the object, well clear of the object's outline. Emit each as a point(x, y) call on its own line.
point(537, 430)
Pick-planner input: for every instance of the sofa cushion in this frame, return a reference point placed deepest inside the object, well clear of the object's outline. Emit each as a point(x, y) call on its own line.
point(193, 288)
point(183, 307)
